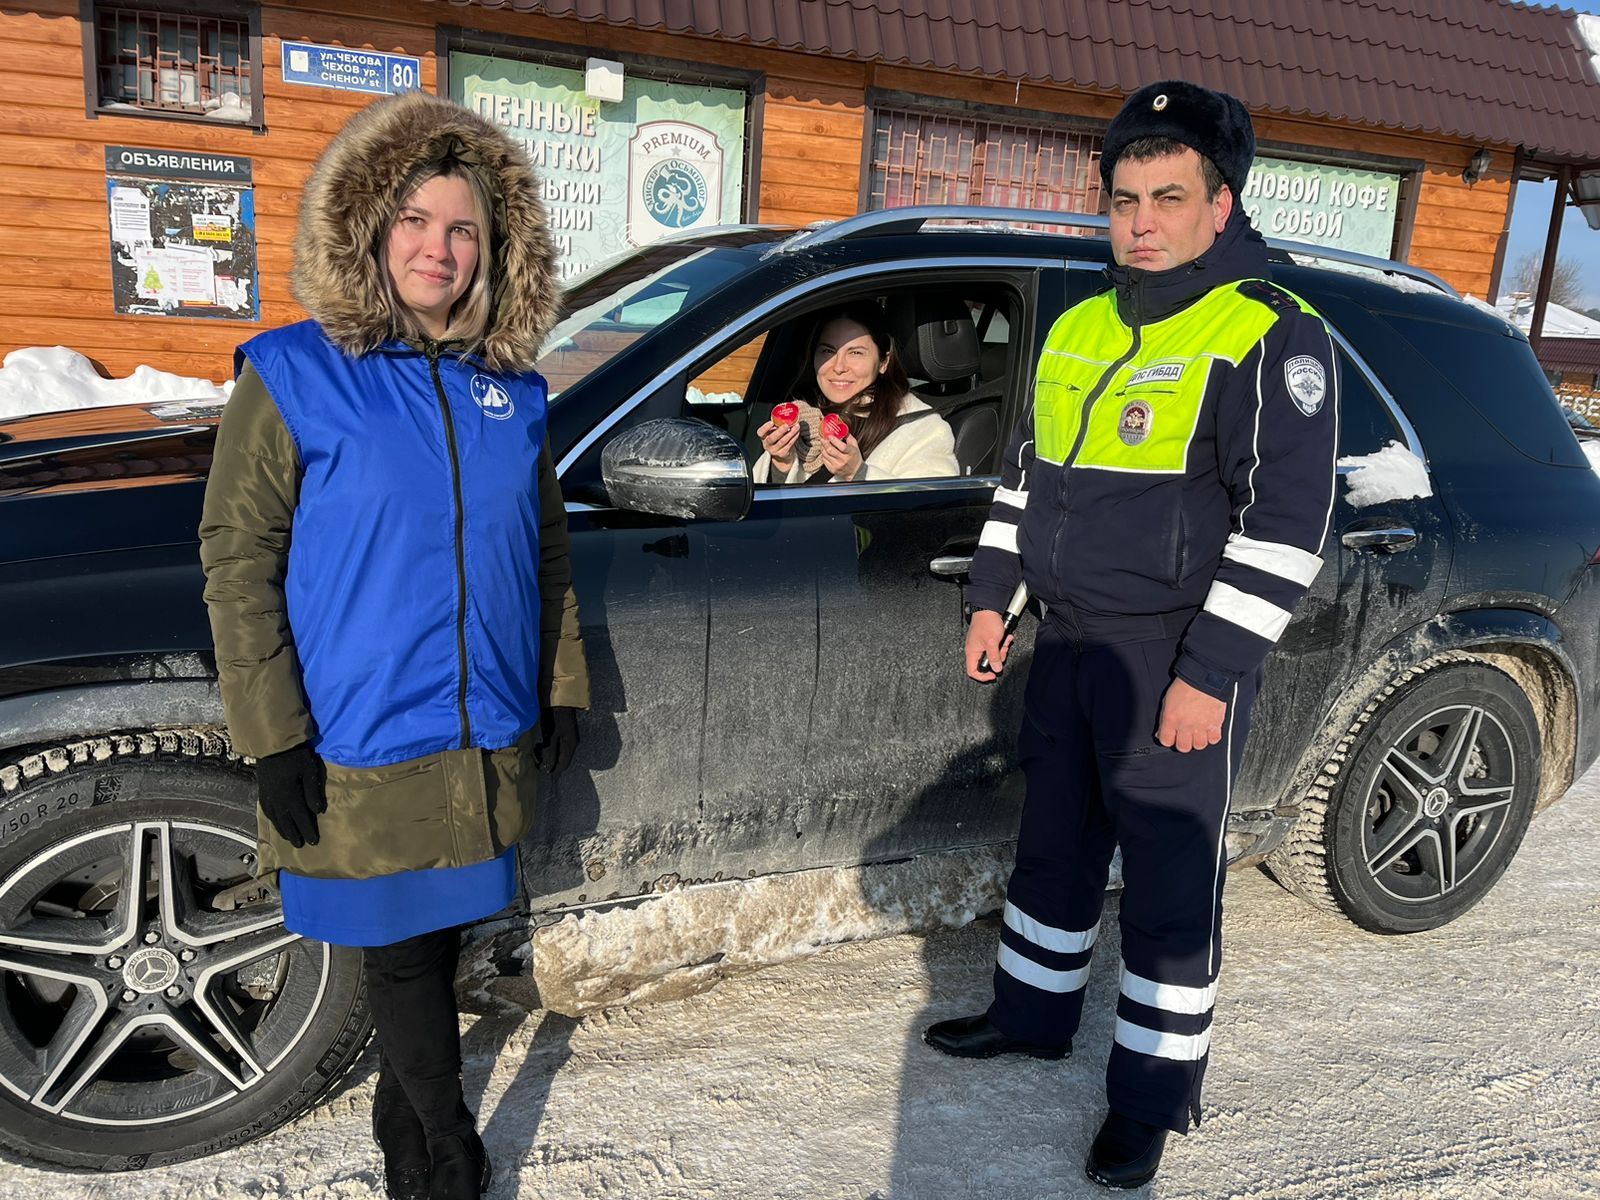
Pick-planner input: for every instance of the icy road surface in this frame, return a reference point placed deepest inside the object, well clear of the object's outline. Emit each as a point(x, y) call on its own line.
point(1461, 1063)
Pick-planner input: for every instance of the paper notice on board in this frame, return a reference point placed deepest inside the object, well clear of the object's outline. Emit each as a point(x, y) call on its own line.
point(130, 216)
point(231, 292)
point(173, 276)
point(209, 227)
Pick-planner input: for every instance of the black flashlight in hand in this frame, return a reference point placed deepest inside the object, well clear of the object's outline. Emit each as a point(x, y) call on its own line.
point(1008, 624)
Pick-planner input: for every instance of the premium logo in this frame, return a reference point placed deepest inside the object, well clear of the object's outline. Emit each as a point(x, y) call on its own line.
point(674, 179)
point(675, 193)
point(492, 398)
point(1307, 383)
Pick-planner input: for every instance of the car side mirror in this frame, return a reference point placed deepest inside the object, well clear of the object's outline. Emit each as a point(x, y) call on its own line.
point(678, 467)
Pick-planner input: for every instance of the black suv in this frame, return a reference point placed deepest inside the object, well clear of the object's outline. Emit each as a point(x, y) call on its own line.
point(776, 671)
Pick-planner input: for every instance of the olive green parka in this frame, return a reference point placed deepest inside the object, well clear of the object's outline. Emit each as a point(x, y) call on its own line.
point(453, 807)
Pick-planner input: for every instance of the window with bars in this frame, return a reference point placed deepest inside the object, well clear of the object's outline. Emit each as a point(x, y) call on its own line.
point(152, 60)
point(929, 157)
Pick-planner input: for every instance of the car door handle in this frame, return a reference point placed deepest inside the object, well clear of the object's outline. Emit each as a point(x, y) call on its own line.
point(951, 566)
point(1390, 539)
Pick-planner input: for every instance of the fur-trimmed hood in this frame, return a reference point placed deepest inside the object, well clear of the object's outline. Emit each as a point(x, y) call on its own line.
point(351, 193)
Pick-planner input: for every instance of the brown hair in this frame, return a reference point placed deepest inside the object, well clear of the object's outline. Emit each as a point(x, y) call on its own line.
point(877, 420)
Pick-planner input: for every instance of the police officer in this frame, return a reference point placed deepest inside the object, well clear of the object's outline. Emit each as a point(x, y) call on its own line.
point(1166, 500)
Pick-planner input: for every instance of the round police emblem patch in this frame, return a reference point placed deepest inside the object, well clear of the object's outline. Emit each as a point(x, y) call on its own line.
point(675, 193)
point(492, 398)
point(1136, 422)
point(1307, 383)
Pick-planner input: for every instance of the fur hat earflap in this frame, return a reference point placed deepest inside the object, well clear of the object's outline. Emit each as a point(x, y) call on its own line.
point(1213, 124)
point(354, 191)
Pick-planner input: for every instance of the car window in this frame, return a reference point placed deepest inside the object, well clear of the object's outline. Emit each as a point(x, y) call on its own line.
point(1496, 373)
point(1365, 422)
point(970, 327)
point(726, 382)
point(610, 309)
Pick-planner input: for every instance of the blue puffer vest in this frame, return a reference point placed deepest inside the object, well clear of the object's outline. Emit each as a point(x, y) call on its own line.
point(413, 577)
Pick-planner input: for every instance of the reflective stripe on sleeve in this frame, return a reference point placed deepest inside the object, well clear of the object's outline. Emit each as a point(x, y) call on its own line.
point(1275, 558)
point(1246, 611)
point(1000, 535)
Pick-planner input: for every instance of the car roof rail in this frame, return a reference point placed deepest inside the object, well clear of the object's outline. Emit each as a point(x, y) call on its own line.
point(1353, 258)
point(912, 218)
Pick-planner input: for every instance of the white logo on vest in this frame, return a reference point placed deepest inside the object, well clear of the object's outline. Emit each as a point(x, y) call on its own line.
point(1160, 373)
point(492, 398)
point(1307, 381)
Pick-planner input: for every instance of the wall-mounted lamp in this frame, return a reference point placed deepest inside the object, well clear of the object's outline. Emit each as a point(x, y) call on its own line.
point(1477, 166)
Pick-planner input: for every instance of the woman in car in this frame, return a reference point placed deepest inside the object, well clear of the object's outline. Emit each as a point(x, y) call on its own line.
point(855, 377)
point(388, 583)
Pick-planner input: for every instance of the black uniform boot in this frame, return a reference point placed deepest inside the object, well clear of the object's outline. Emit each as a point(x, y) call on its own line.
point(399, 1134)
point(1125, 1153)
point(461, 1167)
point(976, 1037)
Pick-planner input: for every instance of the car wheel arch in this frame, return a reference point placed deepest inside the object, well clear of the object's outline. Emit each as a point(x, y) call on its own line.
point(79, 711)
point(1525, 645)
point(1301, 861)
point(102, 784)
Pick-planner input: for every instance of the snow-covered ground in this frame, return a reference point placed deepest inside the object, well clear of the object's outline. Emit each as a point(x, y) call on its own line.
point(1455, 1065)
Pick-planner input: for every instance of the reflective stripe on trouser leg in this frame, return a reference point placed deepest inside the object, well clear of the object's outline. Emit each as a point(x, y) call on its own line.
point(1064, 848)
point(1169, 810)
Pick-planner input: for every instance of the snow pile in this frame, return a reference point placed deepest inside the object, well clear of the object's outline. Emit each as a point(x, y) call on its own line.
point(1589, 32)
point(1484, 306)
point(1393, 473)
point(42, 379)
point(695, 397)
point(1591, 451)
point(679, 943)
point(1559, 321)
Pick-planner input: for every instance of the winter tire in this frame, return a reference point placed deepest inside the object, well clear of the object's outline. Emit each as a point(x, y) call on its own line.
point(153, 1008)
point(1436, 790)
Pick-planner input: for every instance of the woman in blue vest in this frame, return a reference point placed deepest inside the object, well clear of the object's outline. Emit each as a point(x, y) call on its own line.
point(387, 577)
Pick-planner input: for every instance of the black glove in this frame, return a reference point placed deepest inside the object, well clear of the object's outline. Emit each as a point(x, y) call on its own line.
point(289, 790)
point(558, 739)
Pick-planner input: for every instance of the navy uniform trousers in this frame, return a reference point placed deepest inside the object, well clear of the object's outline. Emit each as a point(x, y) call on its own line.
point(1097, 778)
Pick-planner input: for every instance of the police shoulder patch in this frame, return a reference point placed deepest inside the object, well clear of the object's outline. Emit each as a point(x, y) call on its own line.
point(1273, 297)
point(1307, 382)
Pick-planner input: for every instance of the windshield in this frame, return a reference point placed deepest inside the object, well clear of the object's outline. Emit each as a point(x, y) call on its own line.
point(622, 300)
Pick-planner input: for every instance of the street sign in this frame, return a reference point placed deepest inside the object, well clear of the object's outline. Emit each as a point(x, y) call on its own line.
point(350, 70)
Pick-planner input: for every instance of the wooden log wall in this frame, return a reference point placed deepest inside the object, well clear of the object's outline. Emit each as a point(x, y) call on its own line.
point(54, 224)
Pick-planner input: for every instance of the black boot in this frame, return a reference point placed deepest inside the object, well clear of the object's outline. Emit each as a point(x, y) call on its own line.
point(461, 1167)
point(1125, 1153)
point(399, 1134)
point(976, 1037)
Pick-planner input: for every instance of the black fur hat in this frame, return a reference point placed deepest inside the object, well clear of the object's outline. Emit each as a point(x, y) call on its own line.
point(1214, 124)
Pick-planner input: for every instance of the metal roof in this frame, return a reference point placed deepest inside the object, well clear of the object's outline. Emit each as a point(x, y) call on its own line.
point(1569, 354)
point(1479, 70)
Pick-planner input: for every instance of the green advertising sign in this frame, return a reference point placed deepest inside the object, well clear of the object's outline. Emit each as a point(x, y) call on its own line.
point(1331, 206)
point(666, 158)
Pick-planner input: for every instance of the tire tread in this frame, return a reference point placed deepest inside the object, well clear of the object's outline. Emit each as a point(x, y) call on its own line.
point(1299, 863)
point(192, 744)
